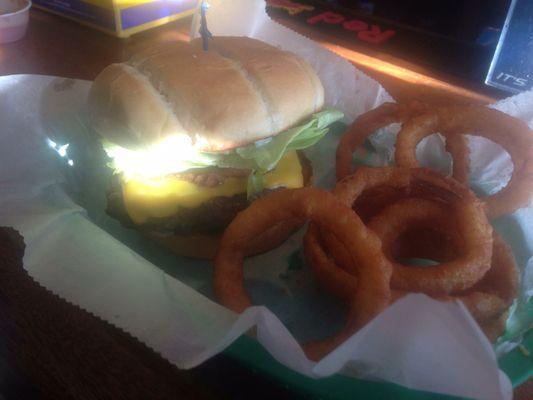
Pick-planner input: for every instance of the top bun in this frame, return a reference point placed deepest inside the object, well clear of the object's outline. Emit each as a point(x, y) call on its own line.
point(239, 91)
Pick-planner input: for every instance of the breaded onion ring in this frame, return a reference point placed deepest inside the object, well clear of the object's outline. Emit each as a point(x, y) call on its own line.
point(490, 296)
point(460, 273)
point(485, 300)
point(423, 183)
point(489, 300)
point(493, 294)
point(373, 270)
point(503, 278)
point(512, 134)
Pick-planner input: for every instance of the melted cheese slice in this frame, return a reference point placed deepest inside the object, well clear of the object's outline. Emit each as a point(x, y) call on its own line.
point(162, 197)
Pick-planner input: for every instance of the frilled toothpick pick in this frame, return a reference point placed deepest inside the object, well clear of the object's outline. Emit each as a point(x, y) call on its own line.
point(206, 35)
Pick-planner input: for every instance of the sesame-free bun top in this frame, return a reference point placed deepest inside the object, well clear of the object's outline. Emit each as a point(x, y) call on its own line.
point(239, 91)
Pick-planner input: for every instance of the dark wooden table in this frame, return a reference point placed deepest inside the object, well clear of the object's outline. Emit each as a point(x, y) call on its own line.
point(81, 357)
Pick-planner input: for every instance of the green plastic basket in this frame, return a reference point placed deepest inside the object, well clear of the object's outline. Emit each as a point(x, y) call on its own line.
point(517, 364)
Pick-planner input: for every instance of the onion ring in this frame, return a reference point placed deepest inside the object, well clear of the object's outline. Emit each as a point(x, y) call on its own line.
point(373, 270)
point(429, 184)
point(491, 295)
point(458, 274)
point(503, 278)
point(512, 134)
point(490, 298)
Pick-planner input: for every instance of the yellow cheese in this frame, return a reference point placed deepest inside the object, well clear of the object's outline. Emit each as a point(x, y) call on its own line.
point(158, 198)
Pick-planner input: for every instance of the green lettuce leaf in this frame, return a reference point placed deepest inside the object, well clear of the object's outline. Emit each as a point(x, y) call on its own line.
point(266, 155)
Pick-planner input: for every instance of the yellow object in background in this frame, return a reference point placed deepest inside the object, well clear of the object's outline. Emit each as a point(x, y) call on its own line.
point(120, 18)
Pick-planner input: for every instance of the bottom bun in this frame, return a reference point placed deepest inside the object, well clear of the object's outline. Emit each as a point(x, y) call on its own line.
point(205, 246)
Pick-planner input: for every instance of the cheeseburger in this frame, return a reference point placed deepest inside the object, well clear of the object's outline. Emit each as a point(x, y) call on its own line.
point(194, 135)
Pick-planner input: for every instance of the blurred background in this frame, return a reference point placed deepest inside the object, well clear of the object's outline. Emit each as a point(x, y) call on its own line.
point(462, 38)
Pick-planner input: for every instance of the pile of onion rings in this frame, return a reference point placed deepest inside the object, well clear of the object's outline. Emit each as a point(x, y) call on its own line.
point(419, 183)
point(422, 214)
point(367, 238)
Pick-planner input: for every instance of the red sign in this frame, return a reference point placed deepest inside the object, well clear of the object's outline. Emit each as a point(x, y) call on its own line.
point(372, 34)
